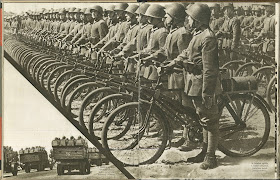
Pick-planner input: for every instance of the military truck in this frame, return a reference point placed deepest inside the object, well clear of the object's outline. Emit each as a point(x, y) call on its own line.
point(34, 158)
point(97, 158)
point(10, 160)
point(71, 154)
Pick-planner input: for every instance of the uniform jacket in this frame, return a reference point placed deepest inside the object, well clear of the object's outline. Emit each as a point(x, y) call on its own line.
point(140, 41)
point(157, 40)
point(176, 41)
point(231, 33)
point(98, 31)
point(130, 35)
point(268, 30)
point(203, 51)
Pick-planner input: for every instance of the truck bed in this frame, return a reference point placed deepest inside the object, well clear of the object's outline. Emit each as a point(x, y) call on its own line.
point(64, 153)
point(33, 157)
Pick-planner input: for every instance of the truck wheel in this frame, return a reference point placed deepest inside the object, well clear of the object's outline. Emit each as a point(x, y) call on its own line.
point(82, 168)
point(27, 169)
point(14, 172)
point(59, 170)
point(99, 162)
point(88, 168)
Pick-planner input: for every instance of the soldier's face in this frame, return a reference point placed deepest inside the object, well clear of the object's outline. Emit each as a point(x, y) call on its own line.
point(95, 14)
point(88, 17)
point(168, 20)
point(191, 22)
point(67, 15)
point(111, 14)
point(62, 16)
point(77, 16)
point(120, 14)
point(228, 11)
point(82, 16)
point(57, 16)
point(129, 16)
point(71, 15)
point(142, 19)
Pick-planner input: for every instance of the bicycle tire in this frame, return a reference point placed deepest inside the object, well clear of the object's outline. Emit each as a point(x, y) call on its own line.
point(224, 143)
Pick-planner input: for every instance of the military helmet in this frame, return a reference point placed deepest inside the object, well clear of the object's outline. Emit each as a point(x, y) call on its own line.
point(176, 11)
point(200, 13)
point(214, 5)
point(62, 11)
point(131, 8)
point(97, 8)
point(88, 11)
point(77, 10)
point(155, 11)
point(142, 9)
point(71, 10)
point(110, 8)
point(83, 10)
point(57, 10)
point(121, 6)
point(257, 9)
point(227, 5)
point(246, 8)
point(67, 9)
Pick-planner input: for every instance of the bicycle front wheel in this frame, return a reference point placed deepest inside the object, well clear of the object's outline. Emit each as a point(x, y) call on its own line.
point(244, 125)
point(135, 135)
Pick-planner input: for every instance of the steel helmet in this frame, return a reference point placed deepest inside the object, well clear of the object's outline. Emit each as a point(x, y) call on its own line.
point(67, 9)
point(156, 11)
point(83, 10)
point(200, 13)
point(97, 8)
point(88, 11)
point(121, 6)
point(214, 6)
point(77, 10)
point(72, 9)
point(142, 9)
point(176, 11)
point(246, 8)
point(131, 8)
point(257, 9)
point(111, 8)
point(228, 5)
point(62, 11)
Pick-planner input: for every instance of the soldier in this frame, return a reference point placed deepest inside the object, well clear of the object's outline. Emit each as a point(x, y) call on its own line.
point(140, 42)
point(246, 21)
point(255, 26)
point(268, 29)
point(113, 27)
point(216, 21)
point(202, 84)
point(238, 11)
point(122, 28)
point(159, 32)
point(230, 32)
point(133, 29)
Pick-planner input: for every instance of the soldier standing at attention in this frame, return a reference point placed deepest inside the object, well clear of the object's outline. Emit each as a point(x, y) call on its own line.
point(202, 84)
point(230, 32)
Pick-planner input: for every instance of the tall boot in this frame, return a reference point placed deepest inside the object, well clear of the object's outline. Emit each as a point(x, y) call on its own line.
point(210, 162)
point(200, 157)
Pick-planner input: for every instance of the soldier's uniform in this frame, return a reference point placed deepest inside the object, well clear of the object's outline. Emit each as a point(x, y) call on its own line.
point(231, 33)
point(202, 83)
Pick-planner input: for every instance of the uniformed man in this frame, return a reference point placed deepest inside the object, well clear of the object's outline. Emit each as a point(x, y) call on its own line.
point(248, 18)
point(230, 32)
point(131, 17)
point(159, 32)
point(255, 26)
point(202, 83)
point(122, 28)
point(268, 29)
point(238, 11)
point(216, 20)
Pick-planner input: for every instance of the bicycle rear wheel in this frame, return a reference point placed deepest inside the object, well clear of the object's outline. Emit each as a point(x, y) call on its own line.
point(139, 144)
point(244, 125)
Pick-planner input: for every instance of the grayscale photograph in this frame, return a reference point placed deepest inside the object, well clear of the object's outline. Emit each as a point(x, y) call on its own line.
point(144, 90)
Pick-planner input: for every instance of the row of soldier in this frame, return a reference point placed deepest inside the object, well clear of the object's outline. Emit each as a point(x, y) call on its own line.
point(69, 142)
point(168, 34)
point(32, 150)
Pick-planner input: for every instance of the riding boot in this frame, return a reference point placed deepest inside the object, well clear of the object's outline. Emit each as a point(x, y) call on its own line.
point(210, 162)
point(200, 157)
